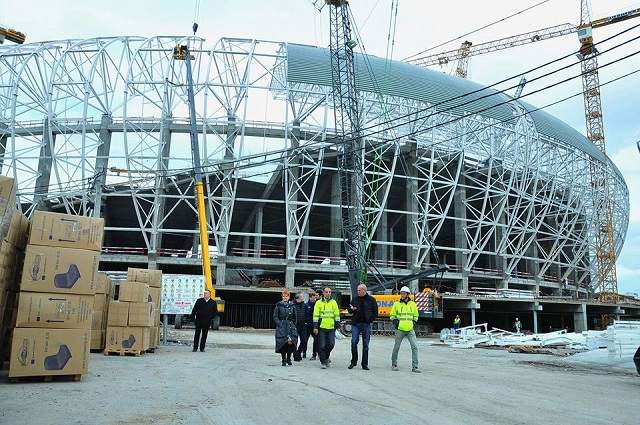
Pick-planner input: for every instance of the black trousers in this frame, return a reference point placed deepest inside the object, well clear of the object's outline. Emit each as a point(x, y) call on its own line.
point(201, 336)
point(327, 341)
point(286, 352)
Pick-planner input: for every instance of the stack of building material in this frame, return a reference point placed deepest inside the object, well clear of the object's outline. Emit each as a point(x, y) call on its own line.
point(624, 338)
point(55, 303)
point(133, 319)
point(153, 278)
point(100, 308)
point(13, 240)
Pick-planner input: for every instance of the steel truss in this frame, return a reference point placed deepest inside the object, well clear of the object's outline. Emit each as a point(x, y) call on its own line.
point(86, 121)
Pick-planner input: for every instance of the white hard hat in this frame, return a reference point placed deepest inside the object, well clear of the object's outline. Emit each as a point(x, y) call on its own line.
point(405, 289)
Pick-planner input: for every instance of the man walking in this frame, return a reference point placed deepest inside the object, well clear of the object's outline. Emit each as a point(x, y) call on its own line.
point(326, 319)
point(517, 325)
point(308, 321)
point(204, 310)
point(456, 323)
point(404, 314)
point(365, 310)
point(299, 307)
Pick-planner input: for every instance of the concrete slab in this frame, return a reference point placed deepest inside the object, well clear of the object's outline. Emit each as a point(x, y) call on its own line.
point(239, 380)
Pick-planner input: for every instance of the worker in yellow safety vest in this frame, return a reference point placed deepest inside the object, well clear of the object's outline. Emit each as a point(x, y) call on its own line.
point(326, 319)
point(404, 314)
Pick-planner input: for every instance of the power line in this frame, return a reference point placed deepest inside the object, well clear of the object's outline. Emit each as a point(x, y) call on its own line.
point(478, 29)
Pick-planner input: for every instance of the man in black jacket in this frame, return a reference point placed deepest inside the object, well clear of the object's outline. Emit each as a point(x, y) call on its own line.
point(365, 310)
point(299, 307)
point(204, 310)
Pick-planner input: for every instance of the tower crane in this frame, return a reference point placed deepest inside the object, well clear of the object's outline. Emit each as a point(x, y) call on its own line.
point(605, 253)
point(11, 35)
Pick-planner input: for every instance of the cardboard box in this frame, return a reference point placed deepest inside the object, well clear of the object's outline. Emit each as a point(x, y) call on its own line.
point(18, 232)
point(57, 311)
point(44, 352)
point(100, 302)
point(141, 314)
point(127, 339)
point(97, 339)
point(59, 270)
point(98, 320)
point(134, 292)
point(103, 283)
point(118, 314)
point(7, 203)
point(67, 231)
point(154, 297)
point(153, 278)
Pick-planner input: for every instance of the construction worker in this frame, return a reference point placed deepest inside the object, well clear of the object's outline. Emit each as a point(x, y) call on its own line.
point(308, 321)
point(404, 314)
point(517, 325)
point(365, 310)
point(456, 323)
point(326, 319)
point(204, 310)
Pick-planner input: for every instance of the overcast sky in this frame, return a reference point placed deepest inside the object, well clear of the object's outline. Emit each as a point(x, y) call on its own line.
point(420, 24)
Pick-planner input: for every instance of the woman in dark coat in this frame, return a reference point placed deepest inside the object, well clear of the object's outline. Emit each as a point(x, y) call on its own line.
point(284, 314)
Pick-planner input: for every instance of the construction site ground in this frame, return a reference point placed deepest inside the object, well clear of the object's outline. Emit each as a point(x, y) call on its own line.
point(239, 380)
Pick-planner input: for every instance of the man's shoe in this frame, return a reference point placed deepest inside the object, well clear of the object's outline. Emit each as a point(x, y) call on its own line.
point(351, 366)
point(416, 370)
point(289, 362)
point(394, 367)
point(284, 363)
point(304, 355)
point(313, 358)
point(323, 365)
point(202, 350)
point(365, 367)
point(195, 349)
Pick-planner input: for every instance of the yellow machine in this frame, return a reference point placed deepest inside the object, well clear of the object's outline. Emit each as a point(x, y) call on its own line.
point(181, 52)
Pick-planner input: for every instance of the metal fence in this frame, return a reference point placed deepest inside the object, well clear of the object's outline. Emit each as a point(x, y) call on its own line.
point(258, 316)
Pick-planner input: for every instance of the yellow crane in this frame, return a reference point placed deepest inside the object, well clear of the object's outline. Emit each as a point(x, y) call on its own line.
point(605, 279)
point(11, 35)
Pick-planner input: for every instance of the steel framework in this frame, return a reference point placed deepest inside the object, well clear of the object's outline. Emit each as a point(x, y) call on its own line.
point(86, 122)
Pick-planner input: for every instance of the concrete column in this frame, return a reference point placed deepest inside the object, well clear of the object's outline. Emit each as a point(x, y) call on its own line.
point(580, 318)
point(257, 244)
point(245, 246)
point(102, 162)
point(391, 247)
point(4, 137)
point(335, 247)
point(164, 154)
point(411, 207)
point(44, 167)
point(290, 274)
point(381, 235)
point(459, 224)
point(304, 245)
point(535, 321)
point(221, 270)
point(473, 317)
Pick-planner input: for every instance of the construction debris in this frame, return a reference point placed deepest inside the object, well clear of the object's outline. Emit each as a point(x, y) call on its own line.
point(621, 339)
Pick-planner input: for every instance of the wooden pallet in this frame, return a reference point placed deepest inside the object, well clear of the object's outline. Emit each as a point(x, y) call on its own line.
point(123, 353)
point(48, 378)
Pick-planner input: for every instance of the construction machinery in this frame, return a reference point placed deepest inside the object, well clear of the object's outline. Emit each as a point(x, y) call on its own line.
point(605, 251)
point(11, 35)
point(351, 152)
point(182, 53)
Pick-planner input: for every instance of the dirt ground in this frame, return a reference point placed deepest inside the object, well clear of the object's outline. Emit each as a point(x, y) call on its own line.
point(239, 380)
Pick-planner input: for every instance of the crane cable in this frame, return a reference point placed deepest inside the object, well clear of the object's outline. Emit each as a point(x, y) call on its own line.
point(196, 16)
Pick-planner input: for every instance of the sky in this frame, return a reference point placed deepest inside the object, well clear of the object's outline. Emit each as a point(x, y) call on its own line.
point(421, 24)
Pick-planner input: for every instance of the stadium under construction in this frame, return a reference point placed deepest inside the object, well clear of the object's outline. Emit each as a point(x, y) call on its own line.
point(501, 189)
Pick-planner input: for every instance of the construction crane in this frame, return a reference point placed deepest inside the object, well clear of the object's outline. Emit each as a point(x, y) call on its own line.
point(467, 49)
point(606, 279)
point(181, 53)
point(11, 35)
point(350, 151)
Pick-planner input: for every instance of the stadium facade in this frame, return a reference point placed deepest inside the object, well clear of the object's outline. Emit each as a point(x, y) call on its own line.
point(100, 127)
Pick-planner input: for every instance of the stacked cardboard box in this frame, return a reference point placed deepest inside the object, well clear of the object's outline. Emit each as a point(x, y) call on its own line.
point(132, 320)
point(14, 228)
point(100, 309)
point(55, 303)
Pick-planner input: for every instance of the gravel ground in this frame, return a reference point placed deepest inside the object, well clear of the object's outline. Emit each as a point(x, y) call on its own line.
point(239, 380)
